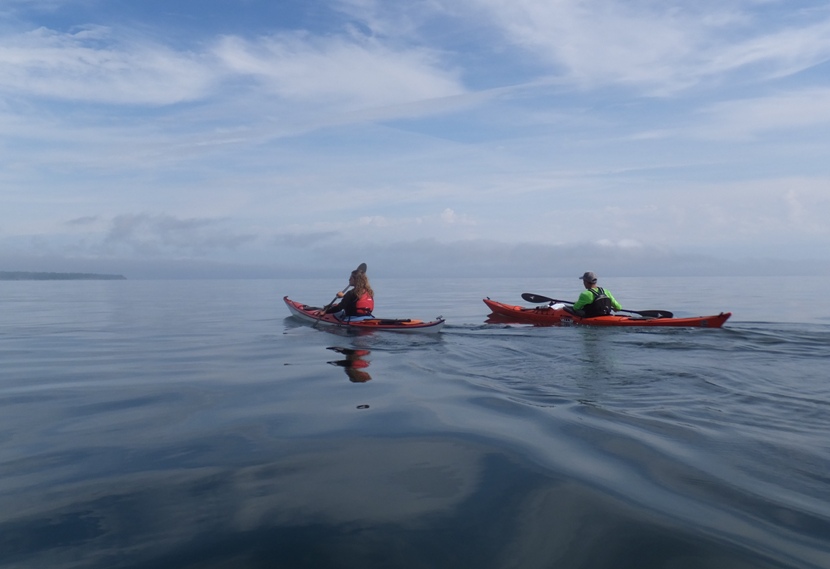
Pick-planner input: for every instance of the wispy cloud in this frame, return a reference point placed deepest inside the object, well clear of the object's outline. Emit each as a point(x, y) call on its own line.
point(96, 64)
point(660, 46)
point(777, 53)
point(85, 221)
point(354, 72)
point(93, 65)
point(795, 109)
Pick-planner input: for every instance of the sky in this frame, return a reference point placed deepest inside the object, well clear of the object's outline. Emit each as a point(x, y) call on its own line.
point(427, 138)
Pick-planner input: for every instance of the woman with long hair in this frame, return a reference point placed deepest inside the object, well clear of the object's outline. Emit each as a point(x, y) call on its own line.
point(357, 303)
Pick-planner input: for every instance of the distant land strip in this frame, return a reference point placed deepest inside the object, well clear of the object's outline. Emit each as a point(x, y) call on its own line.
point(30, 276)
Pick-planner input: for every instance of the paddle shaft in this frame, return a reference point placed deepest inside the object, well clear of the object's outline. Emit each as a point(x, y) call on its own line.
point(537, 298)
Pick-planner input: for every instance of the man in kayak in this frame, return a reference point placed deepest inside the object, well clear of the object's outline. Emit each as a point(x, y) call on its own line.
point(358, 303)
point(594, 301)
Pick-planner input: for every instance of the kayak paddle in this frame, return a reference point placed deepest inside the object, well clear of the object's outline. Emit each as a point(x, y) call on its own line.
point(361, 268)
point(538, 298)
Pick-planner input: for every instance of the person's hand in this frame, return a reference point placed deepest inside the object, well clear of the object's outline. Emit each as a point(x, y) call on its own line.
point(340, 294)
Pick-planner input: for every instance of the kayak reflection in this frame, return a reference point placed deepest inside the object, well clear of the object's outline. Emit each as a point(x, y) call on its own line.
point(354, 365)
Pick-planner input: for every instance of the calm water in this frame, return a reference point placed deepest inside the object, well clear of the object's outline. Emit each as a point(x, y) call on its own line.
point(194, 424)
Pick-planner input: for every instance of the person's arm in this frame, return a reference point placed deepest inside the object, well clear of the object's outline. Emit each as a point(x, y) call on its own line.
point(585, 298)
point(340, 304)
point(347, 303)
point(616, 305)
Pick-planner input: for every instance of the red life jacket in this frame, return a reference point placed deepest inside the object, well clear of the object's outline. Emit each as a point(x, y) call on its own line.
point(364, 305)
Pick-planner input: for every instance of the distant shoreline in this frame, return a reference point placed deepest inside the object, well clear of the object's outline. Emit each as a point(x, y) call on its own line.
point(36, 276)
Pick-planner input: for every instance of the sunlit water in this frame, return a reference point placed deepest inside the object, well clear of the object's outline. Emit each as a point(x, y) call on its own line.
point(194, 424)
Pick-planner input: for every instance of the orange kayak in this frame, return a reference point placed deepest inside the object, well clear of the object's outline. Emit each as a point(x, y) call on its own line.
point(553, 316)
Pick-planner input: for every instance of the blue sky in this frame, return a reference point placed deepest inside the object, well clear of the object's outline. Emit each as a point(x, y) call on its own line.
point(483, 137)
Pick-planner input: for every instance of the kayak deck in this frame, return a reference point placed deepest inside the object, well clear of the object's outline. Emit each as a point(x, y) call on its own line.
point(310, 314)
point(552, 316)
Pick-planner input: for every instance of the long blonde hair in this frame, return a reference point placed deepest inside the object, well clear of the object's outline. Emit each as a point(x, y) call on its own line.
point(361, 285)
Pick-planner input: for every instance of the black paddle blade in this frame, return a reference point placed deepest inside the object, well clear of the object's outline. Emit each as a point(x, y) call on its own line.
point(653, 313)
point(536, 298)
point(361, 268)
point(539, 299)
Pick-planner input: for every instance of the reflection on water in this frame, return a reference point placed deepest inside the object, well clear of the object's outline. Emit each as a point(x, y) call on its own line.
point(303, 505)
point(373, 502)
point(503, 319)
point(354, 365)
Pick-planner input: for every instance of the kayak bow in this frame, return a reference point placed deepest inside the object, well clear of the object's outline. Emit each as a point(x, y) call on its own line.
point(552, 316)
point(309, 314)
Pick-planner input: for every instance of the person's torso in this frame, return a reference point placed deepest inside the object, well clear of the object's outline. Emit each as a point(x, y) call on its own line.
point(600, 305)
point(354, 305)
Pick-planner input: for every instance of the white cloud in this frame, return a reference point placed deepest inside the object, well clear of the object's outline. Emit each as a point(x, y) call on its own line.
point(97, 64)
point(93, 65)
point(780, 53)
point(759, 213)
point(594, 41)
point(374, 221)
point(797, 109)
point(352, 71)
point(662, 46)
point(621, 244)
point(449, 216)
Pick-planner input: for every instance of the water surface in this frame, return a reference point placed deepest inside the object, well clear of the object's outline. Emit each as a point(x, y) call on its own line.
point(194, 424)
